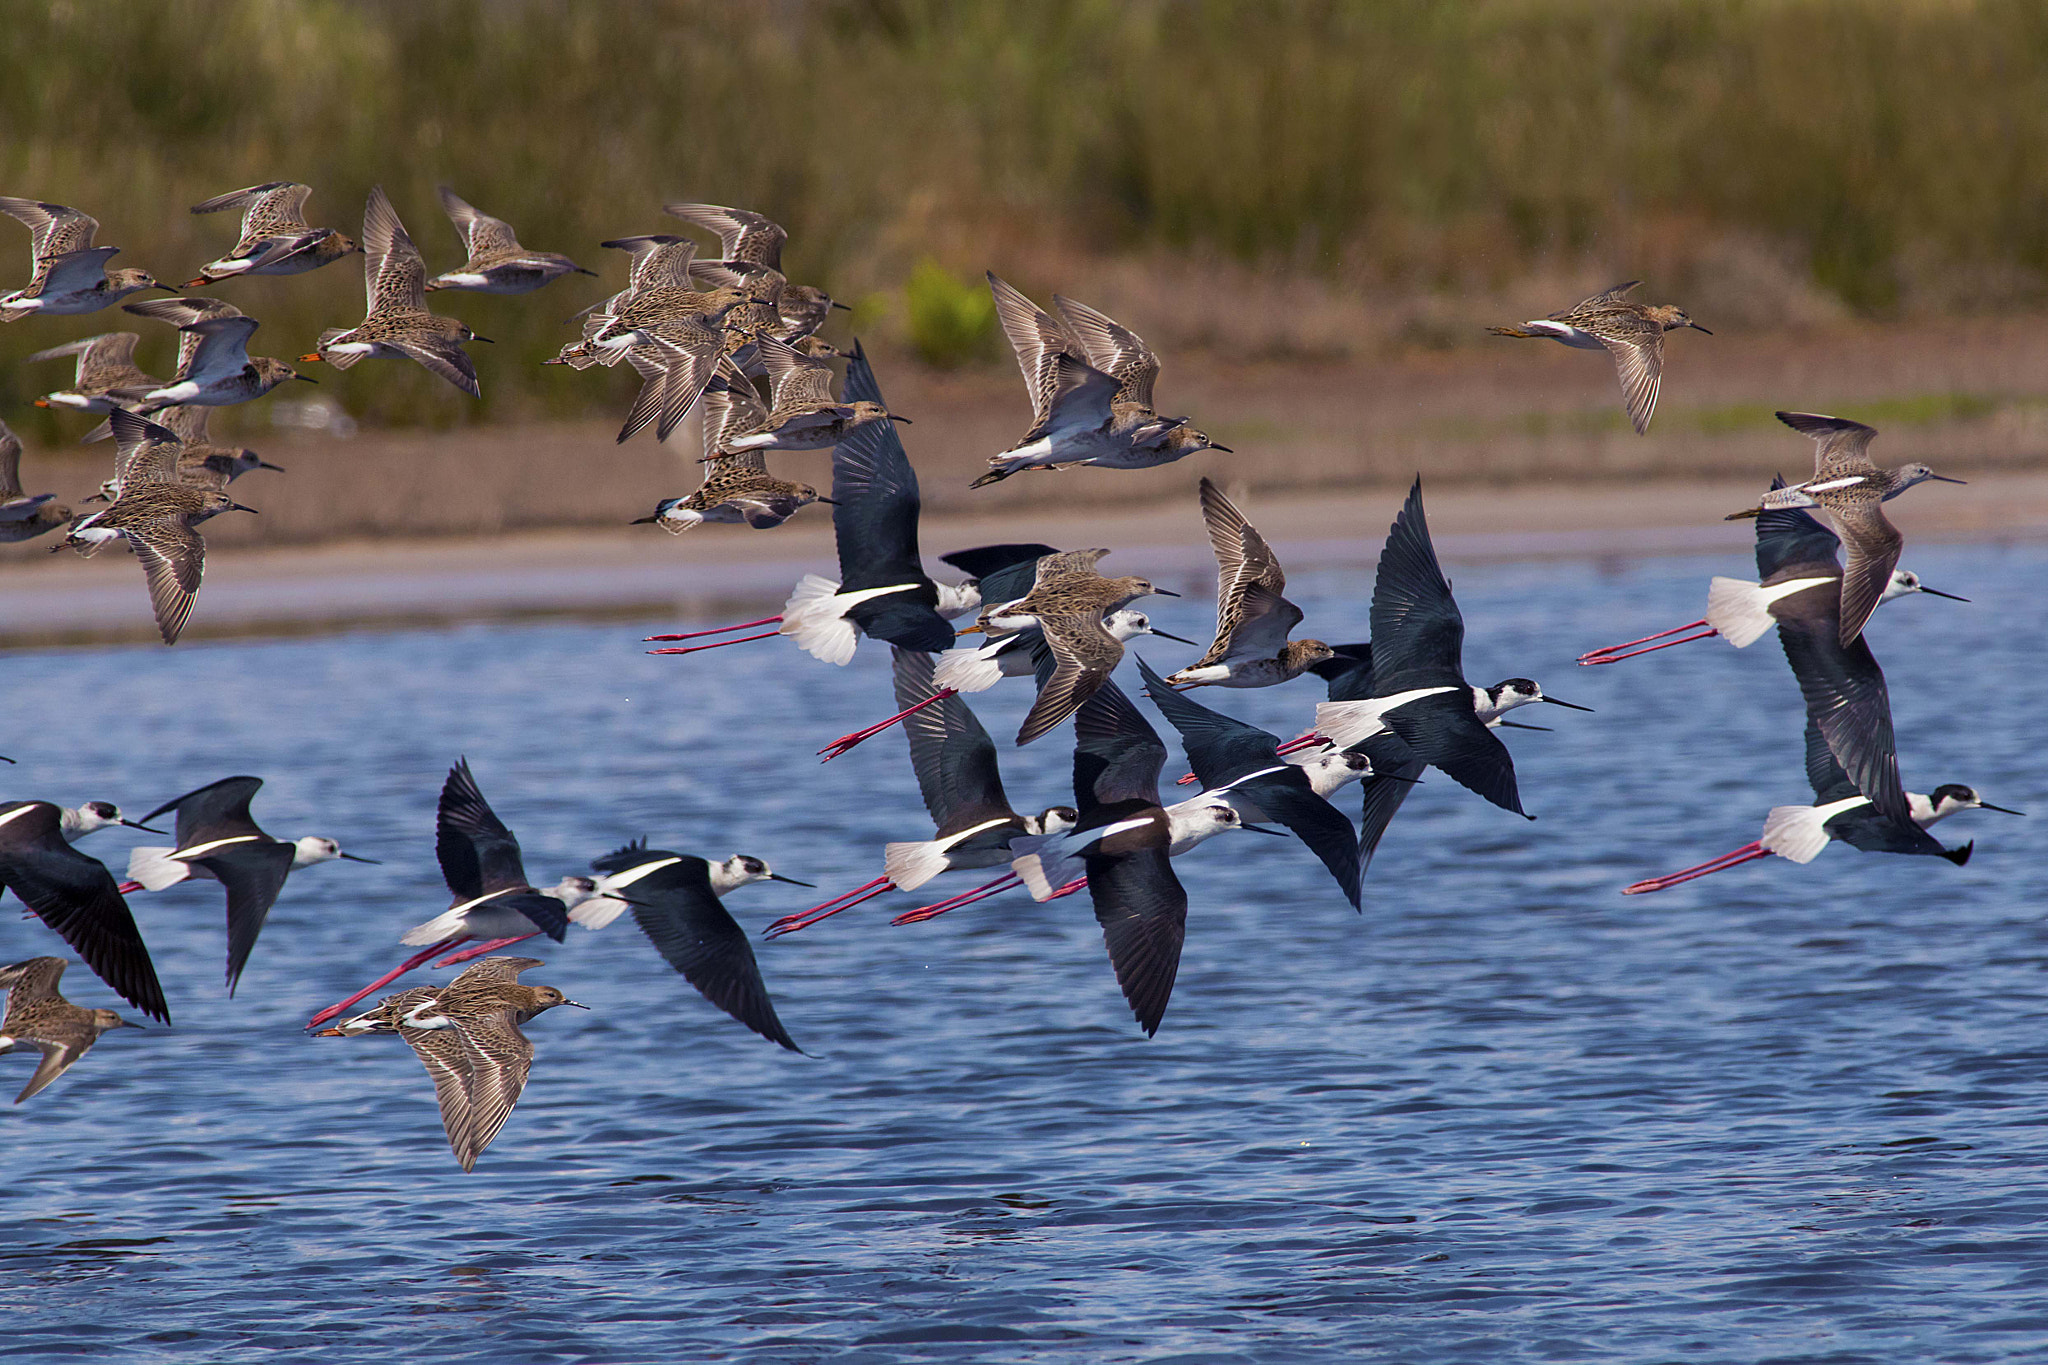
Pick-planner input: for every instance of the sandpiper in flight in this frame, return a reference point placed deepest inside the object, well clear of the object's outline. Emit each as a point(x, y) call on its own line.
point(1633, 333)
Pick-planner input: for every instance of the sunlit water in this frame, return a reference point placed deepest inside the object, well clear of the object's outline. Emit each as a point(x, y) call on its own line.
point(1786, 1113)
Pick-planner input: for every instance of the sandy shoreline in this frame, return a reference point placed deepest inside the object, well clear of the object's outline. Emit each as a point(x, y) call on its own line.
point(581, 573)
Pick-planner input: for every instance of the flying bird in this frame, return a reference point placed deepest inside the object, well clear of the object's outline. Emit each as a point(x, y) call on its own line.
point(1633, 333)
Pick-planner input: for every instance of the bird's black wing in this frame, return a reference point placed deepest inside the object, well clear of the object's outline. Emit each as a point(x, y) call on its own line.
point(1846, 697)
point(1288, 799)
point(952, 753)
point(1349, 674)
point(1444, 732)
point(1395, 770)
point(76, 896)
point(1012, 581)
point(1220, 748)
point(875, 523)
point(206, 811)
point(253, 875)
point(477, 853)
point(1418, 636)
point(681, 915)
point(1143, 911)
point(1117, 753)
point(982, 560)
point(1791, 535)
point(549, 915)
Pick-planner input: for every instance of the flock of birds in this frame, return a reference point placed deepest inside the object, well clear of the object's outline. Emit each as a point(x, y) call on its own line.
point(734, 342)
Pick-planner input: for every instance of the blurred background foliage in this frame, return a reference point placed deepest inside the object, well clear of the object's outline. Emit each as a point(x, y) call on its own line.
point(1873, 158)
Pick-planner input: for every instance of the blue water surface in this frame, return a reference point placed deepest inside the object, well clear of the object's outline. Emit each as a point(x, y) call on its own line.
point(1506, 1115)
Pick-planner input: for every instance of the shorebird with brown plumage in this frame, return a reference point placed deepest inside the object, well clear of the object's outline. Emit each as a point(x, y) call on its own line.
point(216, 373)
point(71, 274)
point(23, 516)
point(466, 1034)
point(497, 264)
point(1067, 602)
point(276, 239)
point(1253, 615)
point(38, 1015)
point(398, 323)
point(1090, 380)
point(104, 363)
point(157, 515)
point(1852, 491)
point(1633, 333)
point(755, 239)
point(803, 414)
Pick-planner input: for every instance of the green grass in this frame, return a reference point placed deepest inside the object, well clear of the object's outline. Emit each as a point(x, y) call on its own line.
point(1886, 144)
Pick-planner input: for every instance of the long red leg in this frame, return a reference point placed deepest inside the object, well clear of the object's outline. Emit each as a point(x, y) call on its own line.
point(845, 742)
point(424, 955)
point(695, 649)
point(1616, 653)
point(722, 630)
point(825, 910)
point(1301, 742)
point(1675, 630)
point(1721, 864)
point(1069, 889)
point(482, 949)
point(129, 888)
point(979, 893)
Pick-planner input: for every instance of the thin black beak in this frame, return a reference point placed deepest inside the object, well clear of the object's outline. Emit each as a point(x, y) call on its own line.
point(308, 378)
point(577, 1003)
point(1697, 328)
point(842, 307)
point(1518, 725)
point(1567, 704)
point(2002, 810)
point(1261, 829)
point(829, 502)
point(1936, 592)
point(1182, 639)
point(135, 824)
point(778, 877)
point(5, 759)
point(354, 859)
point(265, 464)
point(127, 1023)
point(899, 417)
point(1943, 478)
point(1225, 449)
point(488, 342)
point(581, 271)
point(237, 507)
point(1166, 592)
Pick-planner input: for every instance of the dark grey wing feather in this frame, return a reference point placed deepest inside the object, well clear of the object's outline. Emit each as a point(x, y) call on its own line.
point(955, 760)
point(681, 915)
point(1847, 698)
point(984, 560)
point(213, 811)
point(1143, 911)
point(1117, 753)
point(1418, 635)
point(875, 523)
point(477, 853)
point(1220, 748)
point(253, 875)
point(77, 897)
point(1444, 732)
point(1791, 535)
point(1288, 799)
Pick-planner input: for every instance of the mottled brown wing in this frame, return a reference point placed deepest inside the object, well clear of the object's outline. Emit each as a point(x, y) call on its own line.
point(481, 233)
point(499, 1059)
point(1114, 349)
point(1870, 552)
point(1084, 655)
point(743, 235)
point(444, 358)
point(447, 1060)
point(173, 560)
point(1039, 340)
point(796, 379)
point(58, 230)
point(1639, 360)
point(395, 277)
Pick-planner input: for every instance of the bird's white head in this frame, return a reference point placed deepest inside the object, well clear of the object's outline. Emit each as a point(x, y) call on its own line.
point(1052, 820)
point(1951, 797)
point(1496, 701)
point(740, 869)
point(314, 849)
point(93, 815)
